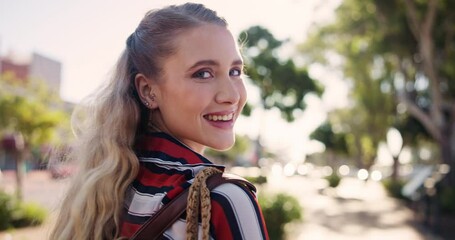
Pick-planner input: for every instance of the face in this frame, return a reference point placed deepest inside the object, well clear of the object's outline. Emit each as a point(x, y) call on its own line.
point(201, 92)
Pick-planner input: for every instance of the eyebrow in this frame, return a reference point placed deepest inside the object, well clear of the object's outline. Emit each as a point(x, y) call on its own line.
point(213, 63)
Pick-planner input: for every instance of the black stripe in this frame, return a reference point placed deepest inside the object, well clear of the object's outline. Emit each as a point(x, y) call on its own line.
point(166, 157)
point(230, 214)
point(159, 155)
point(150, 190)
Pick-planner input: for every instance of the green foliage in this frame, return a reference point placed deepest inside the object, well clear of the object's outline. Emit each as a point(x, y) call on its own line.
point(394, 188)
point(396, 57)
point(359, 133)
point(412, 131)
point(28, 214)
point(6, 210)
point(16, 214)
point(283, 85)
point(257, 180)
point(32, 110)
point(333, 179)
point(278, 210)
point(335, 142)
point(447, 199)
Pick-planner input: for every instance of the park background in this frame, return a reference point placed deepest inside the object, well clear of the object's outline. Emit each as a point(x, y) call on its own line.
point(350, 90)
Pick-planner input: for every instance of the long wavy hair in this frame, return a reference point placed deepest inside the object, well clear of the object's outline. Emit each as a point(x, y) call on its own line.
point(107, 124)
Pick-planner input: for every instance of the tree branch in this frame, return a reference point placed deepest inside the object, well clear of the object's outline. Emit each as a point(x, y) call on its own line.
point(413, 19)
point(426, 49)
point(423, 117)
point(423, 33)
point(449, 28)
point(430, 16)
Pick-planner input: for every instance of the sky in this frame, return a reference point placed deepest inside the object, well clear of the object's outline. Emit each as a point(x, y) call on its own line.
point(87, 37)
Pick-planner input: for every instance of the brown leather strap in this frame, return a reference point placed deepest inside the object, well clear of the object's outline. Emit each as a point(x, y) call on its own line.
point(169, 213)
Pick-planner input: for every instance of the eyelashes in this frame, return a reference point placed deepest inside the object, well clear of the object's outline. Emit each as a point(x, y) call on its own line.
point(235, 72)
point(208, 73)
point(202, 74)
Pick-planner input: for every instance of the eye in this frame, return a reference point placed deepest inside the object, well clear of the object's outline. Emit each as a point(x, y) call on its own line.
point(202, 74)
point(235, 72)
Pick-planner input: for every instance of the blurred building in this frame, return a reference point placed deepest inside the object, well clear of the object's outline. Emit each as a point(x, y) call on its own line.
point(26, 68)
point(35, 66)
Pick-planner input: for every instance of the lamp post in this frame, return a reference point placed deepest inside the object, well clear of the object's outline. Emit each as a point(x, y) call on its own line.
point(394, 144)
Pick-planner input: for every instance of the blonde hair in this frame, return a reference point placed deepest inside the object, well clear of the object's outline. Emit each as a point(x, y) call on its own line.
point(106, 127)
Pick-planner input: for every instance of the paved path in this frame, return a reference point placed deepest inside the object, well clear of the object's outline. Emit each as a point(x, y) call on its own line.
point(355, 210)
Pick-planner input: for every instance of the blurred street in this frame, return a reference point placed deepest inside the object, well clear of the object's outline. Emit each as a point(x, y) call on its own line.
point(355, 210)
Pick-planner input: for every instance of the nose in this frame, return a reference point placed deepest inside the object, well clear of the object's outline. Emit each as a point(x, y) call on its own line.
point(229, 91)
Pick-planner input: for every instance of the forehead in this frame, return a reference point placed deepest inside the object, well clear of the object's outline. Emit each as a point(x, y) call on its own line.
point(206, 42)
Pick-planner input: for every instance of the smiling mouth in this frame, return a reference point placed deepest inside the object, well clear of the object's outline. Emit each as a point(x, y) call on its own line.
point(216, 118)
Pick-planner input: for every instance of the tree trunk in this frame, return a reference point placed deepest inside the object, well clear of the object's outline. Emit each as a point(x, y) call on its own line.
point(359, 158)
point(20, 173)
point(448, 155)
point(441, 128)
point(451, 148)
point(395, 169)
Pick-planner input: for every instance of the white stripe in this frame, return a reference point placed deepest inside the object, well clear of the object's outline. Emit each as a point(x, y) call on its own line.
point(160, 161)
point(140, 204)
point(175, 166)
point(195, 168)
point(243, 209)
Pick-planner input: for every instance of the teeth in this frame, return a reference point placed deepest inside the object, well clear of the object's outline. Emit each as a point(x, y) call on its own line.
point(227, 117)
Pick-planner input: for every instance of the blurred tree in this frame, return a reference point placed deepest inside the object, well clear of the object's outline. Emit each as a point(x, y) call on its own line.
point(335, 143)
point(30, 114)
point(282, 84)
point(363, 128)
point(410, 45)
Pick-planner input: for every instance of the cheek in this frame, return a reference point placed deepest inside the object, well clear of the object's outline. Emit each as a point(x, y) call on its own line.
point(191, 103)
point(242, 92)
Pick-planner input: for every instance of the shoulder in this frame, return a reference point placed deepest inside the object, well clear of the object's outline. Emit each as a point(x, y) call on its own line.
point(234, 191)
point(240, 201)
point(236, 213)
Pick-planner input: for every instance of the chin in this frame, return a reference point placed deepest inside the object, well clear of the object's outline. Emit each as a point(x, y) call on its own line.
point(223, 146)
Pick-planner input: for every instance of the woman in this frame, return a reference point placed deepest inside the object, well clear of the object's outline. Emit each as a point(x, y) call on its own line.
point(177, 89)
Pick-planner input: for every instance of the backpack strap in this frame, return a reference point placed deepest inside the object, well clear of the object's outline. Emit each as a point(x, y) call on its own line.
point(169, 213)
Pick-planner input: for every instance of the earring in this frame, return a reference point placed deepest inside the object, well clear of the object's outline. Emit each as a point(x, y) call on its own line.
point(153, 97)
point(146, 103)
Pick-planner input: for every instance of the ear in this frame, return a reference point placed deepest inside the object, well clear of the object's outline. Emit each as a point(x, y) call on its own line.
point(145, 88)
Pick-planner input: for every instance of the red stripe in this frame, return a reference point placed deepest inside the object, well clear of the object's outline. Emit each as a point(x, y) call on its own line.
point(262, 219)
point(150, 143)
point(128, 229)
point(148, 178)
point(220, 222)
point(174, 192)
